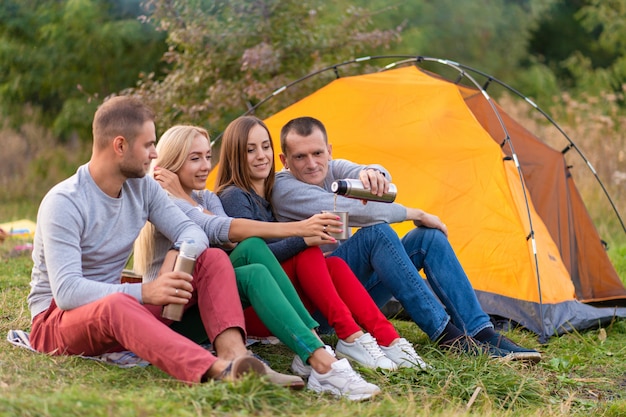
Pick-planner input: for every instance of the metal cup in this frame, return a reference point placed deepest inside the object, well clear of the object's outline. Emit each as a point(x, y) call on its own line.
point(343, 218)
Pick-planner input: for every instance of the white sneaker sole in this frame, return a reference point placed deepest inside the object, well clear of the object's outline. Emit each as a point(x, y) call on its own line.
point(313, 385)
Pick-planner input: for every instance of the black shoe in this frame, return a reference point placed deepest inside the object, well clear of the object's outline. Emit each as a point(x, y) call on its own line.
point(468, 345)
point(516, 352)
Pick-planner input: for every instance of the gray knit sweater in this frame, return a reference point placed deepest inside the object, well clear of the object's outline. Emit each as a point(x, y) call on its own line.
point(295, 200)
point(215, 227)
point(84, 238)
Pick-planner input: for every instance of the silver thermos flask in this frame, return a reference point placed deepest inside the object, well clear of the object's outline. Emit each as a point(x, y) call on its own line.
point(185, 262)
point(354, 189)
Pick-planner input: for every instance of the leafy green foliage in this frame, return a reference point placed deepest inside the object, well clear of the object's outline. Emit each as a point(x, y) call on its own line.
point(490, 35)
point(605, 19)
point(226, 56)
point(59, 56)
point(582, 42)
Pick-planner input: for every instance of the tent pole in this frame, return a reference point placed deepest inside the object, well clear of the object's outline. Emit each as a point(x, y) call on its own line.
point(462, 70)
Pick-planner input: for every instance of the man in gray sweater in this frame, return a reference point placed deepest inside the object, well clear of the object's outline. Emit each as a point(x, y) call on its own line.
point(386, 265)
point(86, 227)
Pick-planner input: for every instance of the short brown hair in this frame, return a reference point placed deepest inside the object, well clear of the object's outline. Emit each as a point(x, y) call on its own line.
point(303, 126)
point(120, 116)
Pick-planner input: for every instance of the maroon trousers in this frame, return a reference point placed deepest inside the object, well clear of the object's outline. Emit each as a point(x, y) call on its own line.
point(119, 321)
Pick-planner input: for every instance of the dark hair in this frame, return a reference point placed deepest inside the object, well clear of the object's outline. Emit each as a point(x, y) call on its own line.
point(303, 126)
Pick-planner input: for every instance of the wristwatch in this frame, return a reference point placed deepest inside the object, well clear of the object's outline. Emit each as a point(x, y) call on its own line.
point(176, 246)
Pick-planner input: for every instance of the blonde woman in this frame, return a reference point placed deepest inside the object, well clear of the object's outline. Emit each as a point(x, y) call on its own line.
point(182, 166)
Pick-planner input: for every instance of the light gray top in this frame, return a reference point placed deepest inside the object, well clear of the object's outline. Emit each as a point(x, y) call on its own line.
point(84, 238)
point(216, 227)
point(295, 200)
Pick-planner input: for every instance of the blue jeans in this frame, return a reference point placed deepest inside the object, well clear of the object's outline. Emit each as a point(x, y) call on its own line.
point(388, 266)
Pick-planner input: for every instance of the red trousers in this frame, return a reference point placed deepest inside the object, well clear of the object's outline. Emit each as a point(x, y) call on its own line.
point(118, 321)
point(330, 286)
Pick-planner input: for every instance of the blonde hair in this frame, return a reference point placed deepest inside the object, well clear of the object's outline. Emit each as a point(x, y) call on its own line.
point(172, 148)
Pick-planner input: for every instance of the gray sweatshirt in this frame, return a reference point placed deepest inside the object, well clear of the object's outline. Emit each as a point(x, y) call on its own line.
point(293, 199)
point(216, 227)
point(296, 200)
point(84, 238)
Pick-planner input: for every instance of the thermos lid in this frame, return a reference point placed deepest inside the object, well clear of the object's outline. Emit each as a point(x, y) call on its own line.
point(189, 249)
point(339, 187)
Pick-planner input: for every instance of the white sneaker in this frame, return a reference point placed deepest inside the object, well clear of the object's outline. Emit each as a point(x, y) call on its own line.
point(342, 381)
point(303, 370)
point(404, 355)
point(365, 351)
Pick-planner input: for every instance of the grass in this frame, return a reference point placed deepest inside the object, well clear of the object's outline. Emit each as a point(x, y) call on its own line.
point(581, 374)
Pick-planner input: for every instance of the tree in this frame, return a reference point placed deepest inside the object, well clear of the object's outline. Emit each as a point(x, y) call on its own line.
point(604, 21)
point(584, 43)
point(225, 56)
point(61, 57)
point(489, 35)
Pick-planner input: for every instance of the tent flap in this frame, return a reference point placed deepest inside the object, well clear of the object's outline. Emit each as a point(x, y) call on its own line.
point(559, 318)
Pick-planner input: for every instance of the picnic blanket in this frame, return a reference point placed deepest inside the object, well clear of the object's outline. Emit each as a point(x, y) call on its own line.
point(123, 359)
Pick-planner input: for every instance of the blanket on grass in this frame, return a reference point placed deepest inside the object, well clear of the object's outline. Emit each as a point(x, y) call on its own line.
point(123, 359)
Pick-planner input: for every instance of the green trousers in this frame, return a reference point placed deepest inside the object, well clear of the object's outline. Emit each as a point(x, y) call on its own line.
point(263, 284)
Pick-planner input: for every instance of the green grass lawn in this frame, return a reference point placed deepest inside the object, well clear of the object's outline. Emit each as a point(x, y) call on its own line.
point(581, 374)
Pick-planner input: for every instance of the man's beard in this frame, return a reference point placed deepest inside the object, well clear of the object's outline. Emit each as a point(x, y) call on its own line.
point(131, 171)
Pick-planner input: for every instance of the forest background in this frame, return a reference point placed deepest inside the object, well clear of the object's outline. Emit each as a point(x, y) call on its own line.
point(207, 62)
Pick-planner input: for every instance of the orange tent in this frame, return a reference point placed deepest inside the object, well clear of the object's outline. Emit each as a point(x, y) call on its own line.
point(560, 206)
point(427, 132)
